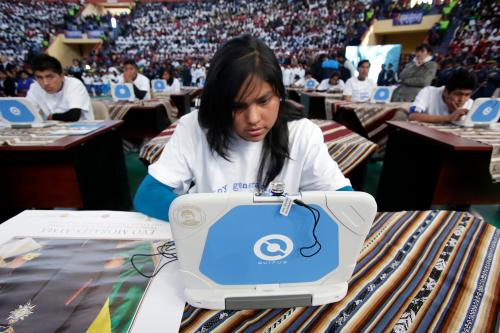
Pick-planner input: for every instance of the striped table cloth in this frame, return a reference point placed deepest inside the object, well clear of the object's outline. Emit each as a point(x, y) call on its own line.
point(419, 271)
point(347, 148)
point(118, 110)
point(372, 116)
point(488, 136)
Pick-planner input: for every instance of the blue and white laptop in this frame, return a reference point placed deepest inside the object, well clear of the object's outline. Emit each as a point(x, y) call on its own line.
point(18, 111)
point(382, 94)
point(485, 112)
point(122, 92)
point(310, 84)
point(237, 251)
point(158, 86)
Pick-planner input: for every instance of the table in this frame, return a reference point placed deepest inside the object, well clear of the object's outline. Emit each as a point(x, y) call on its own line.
point(144, 118)
point(184, 98)
point(367, 119)
point(424, 166)
point(314, 103)
point(489, 136)
point(418, 270)
point(181, 100)
point(347, 148)
point(423, 271)
point(293, 93)
point(161, 309)
point(78, 171)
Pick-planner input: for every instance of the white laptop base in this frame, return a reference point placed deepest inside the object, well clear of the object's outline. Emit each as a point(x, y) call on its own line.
point(236, 251)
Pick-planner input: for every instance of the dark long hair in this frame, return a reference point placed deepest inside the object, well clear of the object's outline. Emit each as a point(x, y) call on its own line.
point(232, 68)
point(171, 73)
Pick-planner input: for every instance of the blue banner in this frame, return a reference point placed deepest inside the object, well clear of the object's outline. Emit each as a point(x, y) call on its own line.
point(407, 18)
point(72, 34)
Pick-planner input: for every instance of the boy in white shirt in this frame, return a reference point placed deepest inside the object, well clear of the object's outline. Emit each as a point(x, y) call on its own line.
point(55, 96)
point(447, 103)
point(140, 82)
point(359, 89)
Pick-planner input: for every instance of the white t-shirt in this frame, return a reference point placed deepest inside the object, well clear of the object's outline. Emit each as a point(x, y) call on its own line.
point(287, 77)
point(141, 82)
point(188, 158)
point(73, 95)
point(175, 88)
point(310, 84)
point(429, 100)
point(326, 86)
point(360, 91)
point(87, 79)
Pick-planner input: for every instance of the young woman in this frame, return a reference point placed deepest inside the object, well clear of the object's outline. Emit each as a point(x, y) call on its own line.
point(244, 136)
point(173, 84)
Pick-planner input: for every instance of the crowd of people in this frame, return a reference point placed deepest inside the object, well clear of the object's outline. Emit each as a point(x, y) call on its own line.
point(183, 36)
point(26, 26)
point(162, 32)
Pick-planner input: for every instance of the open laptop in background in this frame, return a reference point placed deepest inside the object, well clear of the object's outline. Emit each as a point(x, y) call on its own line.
point(237, 251)
point(122, 92)
point(382, 94)
point(310, 84)
point(18, 112)
point(485, 112)
point(158, 86)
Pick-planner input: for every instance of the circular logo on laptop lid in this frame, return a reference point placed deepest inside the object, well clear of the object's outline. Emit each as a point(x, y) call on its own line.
point(189, 216)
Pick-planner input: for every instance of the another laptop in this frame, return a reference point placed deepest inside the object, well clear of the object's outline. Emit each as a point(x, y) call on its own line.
point(310, 84)
point(485, 112)
point(158, 86)
point(382, 94)
point(19, 112)
point(236, 251)
point(122, 92)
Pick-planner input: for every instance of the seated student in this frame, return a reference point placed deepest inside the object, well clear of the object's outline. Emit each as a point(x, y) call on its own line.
point(307, 82)
point(447, 103)
point(334, 83)
point(173, 84)
point(296, 81)
point(7, 85)
point(140, 82)
point(244, 136)
point(58, 97)
point(23, 83)
point(359, 89)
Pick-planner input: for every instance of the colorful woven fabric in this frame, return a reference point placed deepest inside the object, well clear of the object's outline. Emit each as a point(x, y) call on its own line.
point(373, 116)
point(118, 110)
point(421, 271)
point(347, 148)
point(487, 136)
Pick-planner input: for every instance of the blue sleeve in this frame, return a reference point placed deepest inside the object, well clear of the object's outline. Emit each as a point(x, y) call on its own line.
point(346, 188)
point(153, 198)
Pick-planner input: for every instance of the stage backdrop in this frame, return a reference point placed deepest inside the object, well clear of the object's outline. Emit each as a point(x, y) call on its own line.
point(377, 55)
